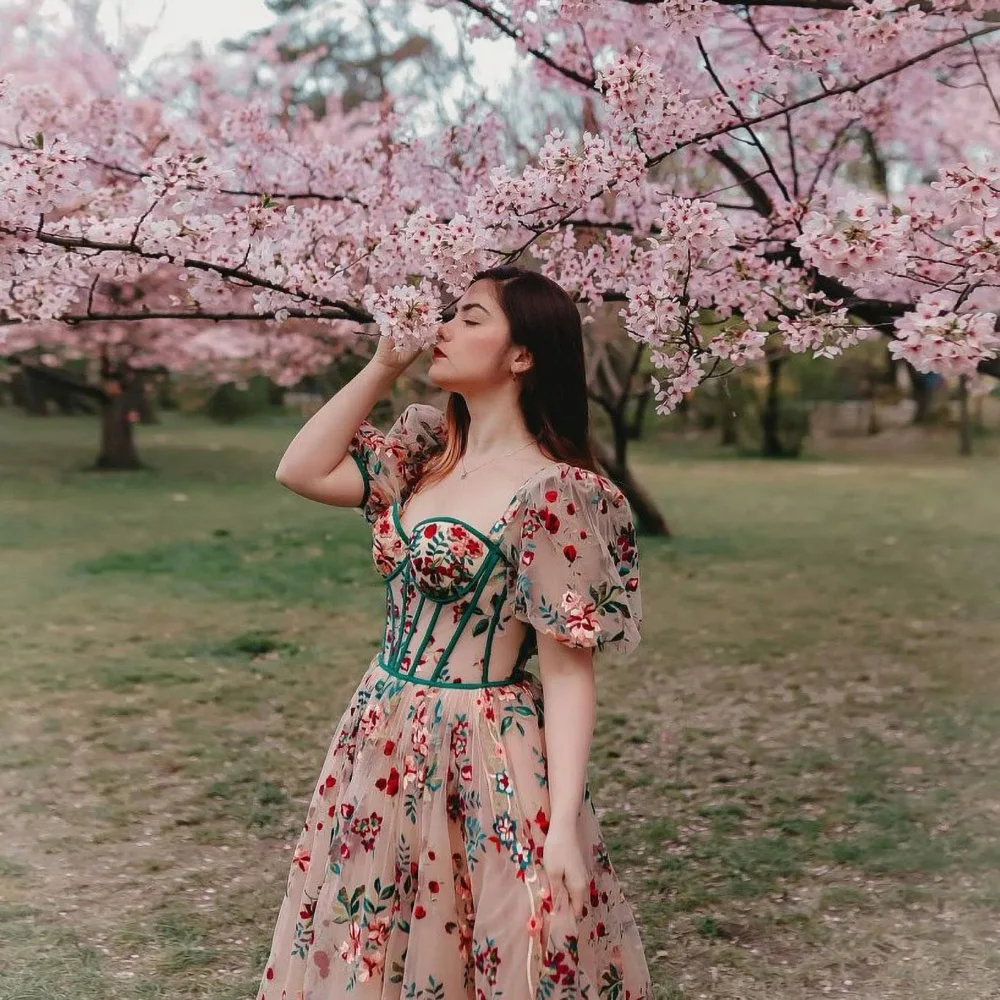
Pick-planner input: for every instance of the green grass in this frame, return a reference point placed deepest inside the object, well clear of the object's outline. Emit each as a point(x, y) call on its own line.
point(796, 776)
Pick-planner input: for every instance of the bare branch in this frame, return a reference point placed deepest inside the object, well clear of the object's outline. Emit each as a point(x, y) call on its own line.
point(772, 170)
point(484, 10)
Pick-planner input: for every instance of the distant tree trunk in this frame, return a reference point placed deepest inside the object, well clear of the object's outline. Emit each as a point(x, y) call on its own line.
point(27, 394)
point(770, 419)
point(143, 400)
point(922, 390)
point(639, 416)
point(873, 425)
point(115, 399)
point(118, 449)
point(964, 417)
point(276, 394)
point(727, 417)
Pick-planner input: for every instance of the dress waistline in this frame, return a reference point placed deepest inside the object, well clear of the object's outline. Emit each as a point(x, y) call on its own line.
point(515, 678)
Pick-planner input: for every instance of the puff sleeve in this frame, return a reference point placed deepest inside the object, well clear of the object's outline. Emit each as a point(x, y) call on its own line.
point(578, 566)
point(391, 462)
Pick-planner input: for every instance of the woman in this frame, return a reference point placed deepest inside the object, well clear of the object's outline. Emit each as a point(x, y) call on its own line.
point(451, 849)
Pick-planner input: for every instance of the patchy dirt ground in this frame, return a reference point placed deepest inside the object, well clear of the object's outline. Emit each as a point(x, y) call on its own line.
point(796, 775)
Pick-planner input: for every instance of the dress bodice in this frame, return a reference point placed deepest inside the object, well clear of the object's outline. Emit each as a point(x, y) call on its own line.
point(561, 559)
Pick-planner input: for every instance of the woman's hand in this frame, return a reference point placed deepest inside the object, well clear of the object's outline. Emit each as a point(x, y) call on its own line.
point(564, 864)
point(391, 358)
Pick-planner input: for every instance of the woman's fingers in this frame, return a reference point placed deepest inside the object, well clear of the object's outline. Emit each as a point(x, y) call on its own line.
point(576, 891)
point(578, 897)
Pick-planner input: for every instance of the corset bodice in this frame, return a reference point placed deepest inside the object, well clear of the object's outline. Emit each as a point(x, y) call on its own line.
point(448, 616)
point(465, 607)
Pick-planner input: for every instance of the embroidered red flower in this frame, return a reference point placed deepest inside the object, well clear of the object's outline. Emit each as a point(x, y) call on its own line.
point(569, 551)
point(542, 820)
point(389, 785)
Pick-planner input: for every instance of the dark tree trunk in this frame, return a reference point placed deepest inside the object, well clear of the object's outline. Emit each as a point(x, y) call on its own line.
point(727, 418)
point(770, 418)
point(649, 520)
point(115, 399)
point(142, 399)
point(639, 416)
point(922, 390)
point(117, 440)
point(873, 424)
point(276, 394)
point(118, 450)
point(27, 393)
point(964, 418)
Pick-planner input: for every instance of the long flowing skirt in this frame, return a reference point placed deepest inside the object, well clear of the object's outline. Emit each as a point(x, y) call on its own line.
point(418, 873)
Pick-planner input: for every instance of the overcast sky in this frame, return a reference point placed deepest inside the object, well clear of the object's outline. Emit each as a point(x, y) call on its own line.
point(181, 22)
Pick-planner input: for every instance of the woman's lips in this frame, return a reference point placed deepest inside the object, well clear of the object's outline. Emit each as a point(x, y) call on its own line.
point(438, 353)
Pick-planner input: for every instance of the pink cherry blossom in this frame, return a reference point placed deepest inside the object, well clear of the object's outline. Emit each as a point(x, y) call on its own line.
point(784, 176)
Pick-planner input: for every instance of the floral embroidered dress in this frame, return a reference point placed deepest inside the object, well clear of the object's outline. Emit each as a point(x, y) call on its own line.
point(418, 874)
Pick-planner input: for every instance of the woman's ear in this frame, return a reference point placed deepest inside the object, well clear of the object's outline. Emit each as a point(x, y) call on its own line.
point(521, 361)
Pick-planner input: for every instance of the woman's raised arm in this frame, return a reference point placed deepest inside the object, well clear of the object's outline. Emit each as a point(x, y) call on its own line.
point(316, 464)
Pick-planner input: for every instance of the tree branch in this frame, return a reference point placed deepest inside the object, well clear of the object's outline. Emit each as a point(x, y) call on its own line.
point(716, 79)
point(847, 88)
point(346, 310)
point(484, 10)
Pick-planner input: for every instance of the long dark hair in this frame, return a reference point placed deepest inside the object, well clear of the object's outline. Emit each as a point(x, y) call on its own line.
point(553, 392)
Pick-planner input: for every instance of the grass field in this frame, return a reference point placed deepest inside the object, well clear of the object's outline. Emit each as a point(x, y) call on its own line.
point(797, 774)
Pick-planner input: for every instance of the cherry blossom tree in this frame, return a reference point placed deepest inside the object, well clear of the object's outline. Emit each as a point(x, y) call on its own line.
point(805, 174)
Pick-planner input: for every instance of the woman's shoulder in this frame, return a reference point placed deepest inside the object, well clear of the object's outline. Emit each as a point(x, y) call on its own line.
point(421, 417)
point(566, 501)
point(568, 485)
point(419, 430)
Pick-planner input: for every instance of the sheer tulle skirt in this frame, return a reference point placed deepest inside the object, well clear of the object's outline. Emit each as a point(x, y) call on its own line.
point(418, 874)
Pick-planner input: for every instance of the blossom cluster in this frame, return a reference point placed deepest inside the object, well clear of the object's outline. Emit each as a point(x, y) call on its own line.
point(738, 186)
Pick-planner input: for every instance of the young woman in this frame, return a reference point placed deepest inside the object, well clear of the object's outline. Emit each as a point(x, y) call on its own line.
point(451, 849)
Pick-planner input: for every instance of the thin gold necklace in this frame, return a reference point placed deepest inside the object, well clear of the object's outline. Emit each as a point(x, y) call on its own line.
point(466, 472)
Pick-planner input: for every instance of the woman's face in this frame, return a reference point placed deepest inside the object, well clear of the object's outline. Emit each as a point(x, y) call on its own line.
point(473, 349)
